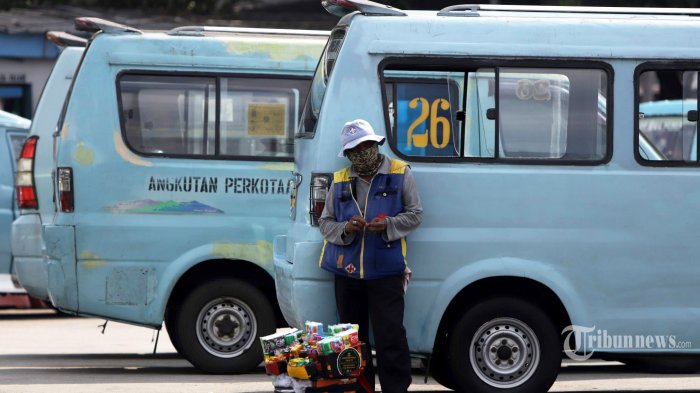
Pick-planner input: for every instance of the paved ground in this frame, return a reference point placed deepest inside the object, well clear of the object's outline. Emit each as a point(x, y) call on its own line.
point(44, 352)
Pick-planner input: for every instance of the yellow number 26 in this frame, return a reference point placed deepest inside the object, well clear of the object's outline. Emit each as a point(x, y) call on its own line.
point(438, 124)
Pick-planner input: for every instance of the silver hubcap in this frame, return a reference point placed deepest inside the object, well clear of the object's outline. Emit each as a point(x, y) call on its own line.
point(504, 352)
point(226, 327)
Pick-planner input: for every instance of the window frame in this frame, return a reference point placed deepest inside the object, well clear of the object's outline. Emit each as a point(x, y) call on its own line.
point(463, 64)
point(217, 77)
point(681, 65)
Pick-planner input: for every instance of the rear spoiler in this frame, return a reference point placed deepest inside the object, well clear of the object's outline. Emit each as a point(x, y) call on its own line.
point(94, 25)
point(344, 7)
point(61, 38)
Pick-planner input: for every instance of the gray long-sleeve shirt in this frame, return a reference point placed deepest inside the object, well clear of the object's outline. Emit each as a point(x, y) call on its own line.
point(396, 228)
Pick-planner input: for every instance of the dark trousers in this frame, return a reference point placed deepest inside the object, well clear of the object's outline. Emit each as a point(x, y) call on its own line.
point(382, 301)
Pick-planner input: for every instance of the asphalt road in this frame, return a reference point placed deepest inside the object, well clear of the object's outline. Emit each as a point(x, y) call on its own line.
point(45, 352)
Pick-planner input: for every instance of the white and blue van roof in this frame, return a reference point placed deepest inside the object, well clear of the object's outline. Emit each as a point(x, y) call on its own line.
point(551, 31)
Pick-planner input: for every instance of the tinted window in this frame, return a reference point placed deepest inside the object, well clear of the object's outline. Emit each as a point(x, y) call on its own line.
point(540, 113)
point(667, 115)
point(245, 117)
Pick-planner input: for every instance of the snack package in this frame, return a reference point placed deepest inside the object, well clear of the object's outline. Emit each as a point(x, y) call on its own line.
point(275, 365)
point(292, 337)
point(341, 327)
point(314, 328)
point(329, 345)
point(350, 338)
point(302, 368)
point(273, 343)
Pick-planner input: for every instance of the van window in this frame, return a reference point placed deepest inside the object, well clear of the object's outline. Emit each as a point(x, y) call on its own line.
point(312, 106)
point(667, 114)
point(557, 114)
point(211, 116)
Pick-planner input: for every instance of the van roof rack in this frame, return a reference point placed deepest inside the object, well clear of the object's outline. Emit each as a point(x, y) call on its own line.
point(473, 10)
point(94, 25)
point(344, 7)
point(61, 38)
point(200, 30)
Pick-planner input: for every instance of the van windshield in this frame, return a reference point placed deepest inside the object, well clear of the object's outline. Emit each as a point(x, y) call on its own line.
point(312, 108)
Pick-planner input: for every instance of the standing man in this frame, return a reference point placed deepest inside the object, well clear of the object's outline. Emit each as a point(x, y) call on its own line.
point(370, 208)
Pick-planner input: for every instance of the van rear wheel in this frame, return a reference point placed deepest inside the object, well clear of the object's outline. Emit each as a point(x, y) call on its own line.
point(171, 328)
point(504, 344)
point(219, 325)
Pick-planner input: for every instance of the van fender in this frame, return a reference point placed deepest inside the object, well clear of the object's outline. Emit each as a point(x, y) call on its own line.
point(259, 253)
point(541, 272)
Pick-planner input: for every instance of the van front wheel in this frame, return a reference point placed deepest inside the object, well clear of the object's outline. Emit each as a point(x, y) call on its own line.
point(219, 324)
point(504, 344)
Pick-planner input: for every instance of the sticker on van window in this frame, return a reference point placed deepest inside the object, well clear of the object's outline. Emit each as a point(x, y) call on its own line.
point(424, 118)
point(266, 119)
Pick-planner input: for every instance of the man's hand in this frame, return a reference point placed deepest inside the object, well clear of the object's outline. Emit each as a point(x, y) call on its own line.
point(355, 224)
point(377, 225)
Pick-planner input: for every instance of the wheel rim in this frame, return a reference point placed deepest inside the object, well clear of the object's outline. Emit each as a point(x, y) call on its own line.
point(226, 327)
point(504, 352)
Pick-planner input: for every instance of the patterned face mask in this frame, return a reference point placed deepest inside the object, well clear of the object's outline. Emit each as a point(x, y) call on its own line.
point(365, 162)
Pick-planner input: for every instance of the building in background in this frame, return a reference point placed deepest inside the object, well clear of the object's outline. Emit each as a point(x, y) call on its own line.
point(26, 58)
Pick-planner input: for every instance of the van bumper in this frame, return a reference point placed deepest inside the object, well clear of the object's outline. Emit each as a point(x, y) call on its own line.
point(60, 253)
point(304, 291)
point(28, 253)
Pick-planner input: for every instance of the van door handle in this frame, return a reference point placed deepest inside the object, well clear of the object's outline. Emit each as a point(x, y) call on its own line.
point(491, 113)
point(693, 115)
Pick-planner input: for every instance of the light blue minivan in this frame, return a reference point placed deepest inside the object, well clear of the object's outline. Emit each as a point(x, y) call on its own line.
point(557, 221)
point(34, 187)
point(13, 132)
point(171, 168)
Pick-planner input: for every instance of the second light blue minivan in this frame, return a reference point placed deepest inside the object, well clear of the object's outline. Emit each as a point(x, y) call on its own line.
point(172, 160)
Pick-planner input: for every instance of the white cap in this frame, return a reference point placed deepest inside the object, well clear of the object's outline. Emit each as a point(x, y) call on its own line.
point(355, 132)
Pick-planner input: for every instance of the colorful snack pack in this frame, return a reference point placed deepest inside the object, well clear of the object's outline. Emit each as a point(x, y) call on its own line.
point(350, 338)
point(314, 328)
point(273, 343)
point(292, 338)
point(330, 345)
point(275, 365)
point(301, 368)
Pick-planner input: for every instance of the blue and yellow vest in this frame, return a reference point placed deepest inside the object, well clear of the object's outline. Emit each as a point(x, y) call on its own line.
point(368, 256)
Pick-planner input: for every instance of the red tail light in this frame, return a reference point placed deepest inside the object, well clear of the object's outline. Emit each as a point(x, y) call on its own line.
point(65, 190)
point(320, 182)
point(24, 179)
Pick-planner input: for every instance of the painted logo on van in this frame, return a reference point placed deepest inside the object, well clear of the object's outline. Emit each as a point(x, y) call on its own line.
point(149, 206)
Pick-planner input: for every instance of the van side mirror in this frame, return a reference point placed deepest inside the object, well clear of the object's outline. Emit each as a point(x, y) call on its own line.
point(693, 115)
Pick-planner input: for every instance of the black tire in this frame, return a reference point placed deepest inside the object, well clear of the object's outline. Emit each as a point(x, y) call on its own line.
point(520, 339)
point(219, 323)
point(664, 365)
point(171, 328)
point(440, 371)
